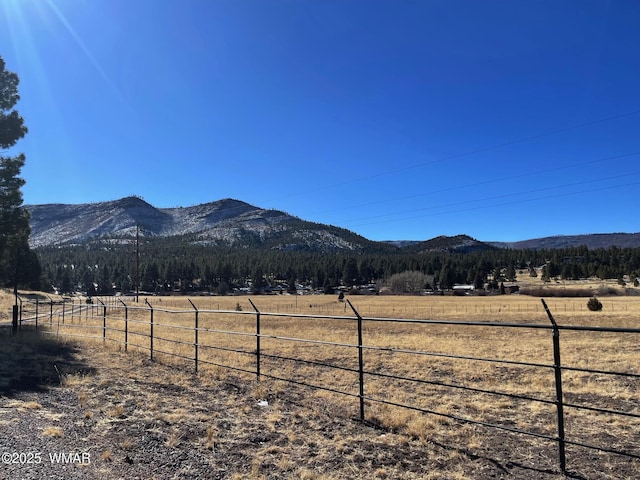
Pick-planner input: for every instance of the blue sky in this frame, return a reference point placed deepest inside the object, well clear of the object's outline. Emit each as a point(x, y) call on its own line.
point(504, 120)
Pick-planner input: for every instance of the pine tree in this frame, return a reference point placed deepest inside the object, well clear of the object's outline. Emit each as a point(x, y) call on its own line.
point(17, 263)
point(350, 274)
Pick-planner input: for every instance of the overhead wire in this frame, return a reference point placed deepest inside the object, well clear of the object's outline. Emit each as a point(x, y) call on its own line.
point(488, 182)
point(228, 210)
point(528, 200)
point(474, 151)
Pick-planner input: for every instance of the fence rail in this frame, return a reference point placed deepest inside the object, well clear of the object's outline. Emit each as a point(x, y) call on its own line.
point(201, 337)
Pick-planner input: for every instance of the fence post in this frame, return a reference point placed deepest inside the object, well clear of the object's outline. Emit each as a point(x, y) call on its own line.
point(104, 321)
point(50, 312)
point(126, 325)
point(58, 326)
point(195, 332)
point(14, 320)
point(64, 304)
point(360, 362)
point(557, 368)
point(37, 313)
point(150, 330)
point(20, 315)
point(257, 339)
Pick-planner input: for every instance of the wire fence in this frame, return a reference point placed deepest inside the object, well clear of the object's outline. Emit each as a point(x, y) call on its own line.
point(411, 364)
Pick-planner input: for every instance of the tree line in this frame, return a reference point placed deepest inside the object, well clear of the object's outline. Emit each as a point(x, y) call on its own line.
point(165, 265)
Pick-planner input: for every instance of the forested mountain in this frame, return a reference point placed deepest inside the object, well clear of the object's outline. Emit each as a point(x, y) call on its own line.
point(228, 244)
point(230, 222)
point(591, 241)
point(456, 244)
point(225, 222)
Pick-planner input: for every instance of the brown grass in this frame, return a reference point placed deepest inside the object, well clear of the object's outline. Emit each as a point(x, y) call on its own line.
point(52, 432)
point(606, 351)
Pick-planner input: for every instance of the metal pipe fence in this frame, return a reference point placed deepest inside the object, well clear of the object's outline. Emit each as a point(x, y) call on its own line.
point(245, 341)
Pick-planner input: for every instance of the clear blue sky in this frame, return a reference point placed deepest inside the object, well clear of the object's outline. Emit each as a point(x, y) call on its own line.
point(504, 120)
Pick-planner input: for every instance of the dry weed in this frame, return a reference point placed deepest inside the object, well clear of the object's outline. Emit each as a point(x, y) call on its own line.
point(174, 439)
point(209, 440)
point(55, 432)
point(116, 412)
point(22, 405)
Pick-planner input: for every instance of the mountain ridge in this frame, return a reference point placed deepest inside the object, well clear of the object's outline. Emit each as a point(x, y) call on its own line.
point(590, 240)
point(227, 221)
point(234, 222)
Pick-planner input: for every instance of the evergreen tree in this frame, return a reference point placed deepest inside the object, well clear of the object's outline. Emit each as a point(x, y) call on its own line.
point(105, 285)
point(446, 277)
point(350, 274)
point(88, 282)
point(478, 281)
point(65, 282)
point(291, 282)
point(510, 274)
point(257, 280)
point(17, 263)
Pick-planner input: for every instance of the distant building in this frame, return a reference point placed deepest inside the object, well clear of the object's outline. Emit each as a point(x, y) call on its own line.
point(463, 289)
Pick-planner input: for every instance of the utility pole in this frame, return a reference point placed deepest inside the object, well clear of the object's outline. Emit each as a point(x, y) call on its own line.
point(137, 262)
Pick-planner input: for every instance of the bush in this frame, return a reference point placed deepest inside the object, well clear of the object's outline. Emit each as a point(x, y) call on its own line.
point(594, 304)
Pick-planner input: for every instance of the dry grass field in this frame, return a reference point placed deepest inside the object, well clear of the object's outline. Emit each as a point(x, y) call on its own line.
point(313, 433)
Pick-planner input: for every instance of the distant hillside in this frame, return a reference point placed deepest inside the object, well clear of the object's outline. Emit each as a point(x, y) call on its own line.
point(401, 243)
point(230, 222)
point(455, 244)
point(224, 222)
point(592, 241)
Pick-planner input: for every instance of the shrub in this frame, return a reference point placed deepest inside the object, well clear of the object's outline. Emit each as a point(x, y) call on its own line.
point(594, 304)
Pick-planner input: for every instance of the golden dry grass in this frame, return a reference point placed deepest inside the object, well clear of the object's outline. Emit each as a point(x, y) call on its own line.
point(174, 338)
point(52, 432)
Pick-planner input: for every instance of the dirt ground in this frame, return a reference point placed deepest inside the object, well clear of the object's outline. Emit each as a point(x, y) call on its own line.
point(118, 415)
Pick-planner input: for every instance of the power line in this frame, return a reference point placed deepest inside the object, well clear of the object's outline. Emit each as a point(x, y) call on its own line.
point(510, 203)
point(477, 151)
point(488, 182)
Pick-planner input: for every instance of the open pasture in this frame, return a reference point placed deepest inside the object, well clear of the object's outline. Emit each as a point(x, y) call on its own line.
point(442, 383)
point(431, 381)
